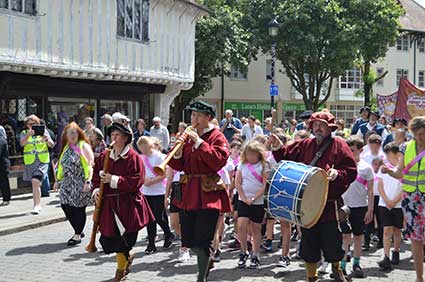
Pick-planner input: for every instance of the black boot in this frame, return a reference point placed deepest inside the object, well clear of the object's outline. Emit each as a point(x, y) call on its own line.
point(395, 259)
point(385, 264)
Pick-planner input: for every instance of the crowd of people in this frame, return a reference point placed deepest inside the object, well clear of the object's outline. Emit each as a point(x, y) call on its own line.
point(218, 178)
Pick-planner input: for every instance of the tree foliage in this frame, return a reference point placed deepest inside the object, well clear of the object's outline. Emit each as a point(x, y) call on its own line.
point(222, 40)
point(320, 39)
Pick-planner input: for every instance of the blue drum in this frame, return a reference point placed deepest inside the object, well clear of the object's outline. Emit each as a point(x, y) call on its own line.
point(297, 193)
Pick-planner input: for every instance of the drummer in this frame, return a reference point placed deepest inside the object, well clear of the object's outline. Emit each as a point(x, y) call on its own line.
point(338, 160)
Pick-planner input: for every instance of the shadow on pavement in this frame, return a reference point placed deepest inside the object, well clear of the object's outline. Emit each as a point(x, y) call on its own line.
point(38, 249)
point(13, 215)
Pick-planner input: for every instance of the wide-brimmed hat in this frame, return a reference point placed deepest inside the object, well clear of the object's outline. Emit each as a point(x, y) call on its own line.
point(324, 117)
point(203, 107)
point(375, 113)
point(120, 127)
point(362, 109)
point(306, 114)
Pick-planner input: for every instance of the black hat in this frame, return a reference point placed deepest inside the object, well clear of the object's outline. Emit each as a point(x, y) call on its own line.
point(120, 127)
point(306, 114)
point(203, 107)
point(376, 113)
point(397, 120)
point(362, 109)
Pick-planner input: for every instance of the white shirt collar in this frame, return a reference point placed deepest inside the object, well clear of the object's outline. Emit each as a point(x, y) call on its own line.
point(123, 153)
point(208, 129)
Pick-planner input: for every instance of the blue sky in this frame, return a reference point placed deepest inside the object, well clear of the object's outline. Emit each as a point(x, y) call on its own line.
point(422, 2)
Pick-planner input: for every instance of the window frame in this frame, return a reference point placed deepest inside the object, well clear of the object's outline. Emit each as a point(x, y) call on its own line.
point(240, 76)
point(421, 46)
point(351, 77)
point(402, 43)
point(21, 13)
point(421, 78)
point(144, 24)
point(379, 72)
point(404, 73)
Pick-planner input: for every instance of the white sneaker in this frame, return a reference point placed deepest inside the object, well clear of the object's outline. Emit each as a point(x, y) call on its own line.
point(36, 210)
point(184, 255)
point(323, 268)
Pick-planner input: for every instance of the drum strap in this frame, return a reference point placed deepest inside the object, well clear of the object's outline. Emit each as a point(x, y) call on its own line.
point(319, 153)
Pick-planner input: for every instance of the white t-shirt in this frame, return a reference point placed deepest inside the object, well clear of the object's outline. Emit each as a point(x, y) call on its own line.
point(356, 195)
point(375, 185)
point(224, 176)
point(177, 175)
point(158, 188)
point(250, 133)
point(368, 157)
point(250, 184)
point(392, 188)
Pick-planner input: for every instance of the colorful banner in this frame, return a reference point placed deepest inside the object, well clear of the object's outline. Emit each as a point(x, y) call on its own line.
point(410, 101)
point(386, 104)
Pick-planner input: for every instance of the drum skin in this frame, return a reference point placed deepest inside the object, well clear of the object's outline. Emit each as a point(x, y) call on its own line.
point(297, 193)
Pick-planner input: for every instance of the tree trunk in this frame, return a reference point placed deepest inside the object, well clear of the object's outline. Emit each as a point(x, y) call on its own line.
point(367, 87)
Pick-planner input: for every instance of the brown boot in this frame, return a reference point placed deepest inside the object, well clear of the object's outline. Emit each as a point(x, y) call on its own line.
point(119, 275)
point(313, 279)
point(130, 261)
point(338, 275)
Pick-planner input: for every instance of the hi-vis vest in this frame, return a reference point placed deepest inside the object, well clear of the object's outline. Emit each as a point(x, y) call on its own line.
point(415, 177)
point(36, 146)
point(84, 162)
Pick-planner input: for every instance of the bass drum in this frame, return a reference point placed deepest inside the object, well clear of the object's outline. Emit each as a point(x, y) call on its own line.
point(297, 193)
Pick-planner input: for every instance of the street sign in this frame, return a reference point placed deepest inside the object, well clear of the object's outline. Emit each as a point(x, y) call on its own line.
point(274, 90)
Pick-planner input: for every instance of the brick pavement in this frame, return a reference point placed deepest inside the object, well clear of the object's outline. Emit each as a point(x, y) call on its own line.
point(41, 255)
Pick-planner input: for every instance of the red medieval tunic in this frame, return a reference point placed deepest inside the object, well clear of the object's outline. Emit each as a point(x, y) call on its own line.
point(208, 158)
point(125, 201)
point(338, 154)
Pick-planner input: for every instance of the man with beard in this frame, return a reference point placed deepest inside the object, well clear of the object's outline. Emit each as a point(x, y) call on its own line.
point(338, 160)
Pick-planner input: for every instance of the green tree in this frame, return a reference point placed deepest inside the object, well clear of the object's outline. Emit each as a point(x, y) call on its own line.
point(319, 39)
point(376, 25)
point(221, 41)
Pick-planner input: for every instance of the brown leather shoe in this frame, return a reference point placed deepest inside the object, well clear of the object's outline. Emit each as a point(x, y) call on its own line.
point(130, 262)
point(313, 279)
point(119, 275)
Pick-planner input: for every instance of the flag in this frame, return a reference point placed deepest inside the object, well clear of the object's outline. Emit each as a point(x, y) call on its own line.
point(410, 101)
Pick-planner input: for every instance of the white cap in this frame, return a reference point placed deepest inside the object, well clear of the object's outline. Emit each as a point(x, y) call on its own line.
point(119, 116)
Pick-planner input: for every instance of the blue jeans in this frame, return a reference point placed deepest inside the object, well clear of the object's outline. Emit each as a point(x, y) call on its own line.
point(45, 185)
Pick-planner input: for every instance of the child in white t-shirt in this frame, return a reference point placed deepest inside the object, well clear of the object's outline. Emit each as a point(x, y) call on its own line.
point(390, 210)
point(251, 178)
point(359, 198)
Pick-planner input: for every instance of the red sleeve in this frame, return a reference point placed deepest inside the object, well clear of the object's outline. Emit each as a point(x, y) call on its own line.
point(347, 171)
point(176, 164)
point(98, 166)
point(134, 175)
point(215, 155)
point(289, 153)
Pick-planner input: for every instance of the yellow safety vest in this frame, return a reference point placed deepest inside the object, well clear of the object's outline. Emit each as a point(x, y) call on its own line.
point(84, 162)
point(36, 146)
point(415, 177)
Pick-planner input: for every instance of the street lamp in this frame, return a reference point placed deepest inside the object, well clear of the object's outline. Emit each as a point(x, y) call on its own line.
point(273, 27)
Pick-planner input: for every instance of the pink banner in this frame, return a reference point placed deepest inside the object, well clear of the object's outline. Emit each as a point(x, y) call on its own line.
point(386, 104)
point(410, 101)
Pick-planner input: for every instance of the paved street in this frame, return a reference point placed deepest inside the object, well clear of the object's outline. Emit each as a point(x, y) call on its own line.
point(41, 255)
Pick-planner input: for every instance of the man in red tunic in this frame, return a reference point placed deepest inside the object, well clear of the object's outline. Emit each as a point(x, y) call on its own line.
point(125, 210)
point(338, 160)
point(204, 154)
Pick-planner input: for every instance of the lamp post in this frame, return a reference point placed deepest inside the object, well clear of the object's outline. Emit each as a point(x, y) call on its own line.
point(273, 27)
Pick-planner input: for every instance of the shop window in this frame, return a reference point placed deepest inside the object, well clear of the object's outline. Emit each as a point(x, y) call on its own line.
point(421, 79)
point(352, 79)
point(22, 6)
point(402, 43)
point(379, 72)
point(133, 19)
point(401, 73)
point(237, 74)
point(345, 112)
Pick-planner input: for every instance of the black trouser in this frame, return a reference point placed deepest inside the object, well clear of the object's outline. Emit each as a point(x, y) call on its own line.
point(198, 228)
point(370, 228)
point(156, 203)
point(4, 186)
point(76, 216)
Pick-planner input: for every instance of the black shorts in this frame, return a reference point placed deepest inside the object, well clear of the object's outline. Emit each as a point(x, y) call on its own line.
point(254, 212)
point(393, 217)
point(321, 238)
point(356, 223)
point(235, 201)
point(198, 228)
point(173, 208)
